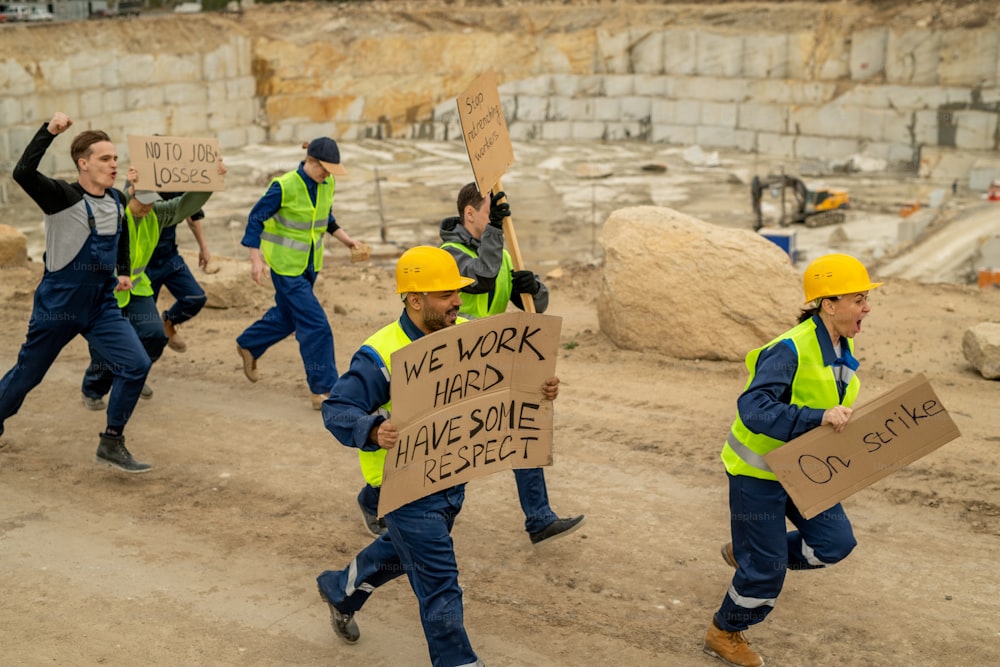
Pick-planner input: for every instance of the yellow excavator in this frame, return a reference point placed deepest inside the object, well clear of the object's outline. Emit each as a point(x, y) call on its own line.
point(814, 208)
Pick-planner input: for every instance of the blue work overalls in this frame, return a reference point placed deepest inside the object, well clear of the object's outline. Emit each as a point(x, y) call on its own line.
point(298, 311)
point(168, 269)
point(418, 543)
point(145, 319)
point(79, 299)
point(531, 492)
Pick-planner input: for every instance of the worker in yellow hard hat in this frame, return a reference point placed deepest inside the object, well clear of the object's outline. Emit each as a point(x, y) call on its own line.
point(803, 379)
point(418, 539)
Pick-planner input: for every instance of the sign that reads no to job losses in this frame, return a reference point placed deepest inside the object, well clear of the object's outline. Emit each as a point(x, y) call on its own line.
point(181, 164)
point(468, 402)
point(485, 130)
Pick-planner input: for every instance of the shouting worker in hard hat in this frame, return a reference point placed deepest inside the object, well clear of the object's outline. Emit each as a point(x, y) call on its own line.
point(358, 413)
point(801, 380)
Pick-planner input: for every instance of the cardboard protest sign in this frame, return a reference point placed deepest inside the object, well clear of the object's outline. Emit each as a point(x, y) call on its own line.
point(468, 402)
point(485, 131)
point(488, 143)
point(179, 164)
point(822, 467)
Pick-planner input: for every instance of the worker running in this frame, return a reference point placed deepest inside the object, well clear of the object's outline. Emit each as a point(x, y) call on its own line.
point(418, 539)
point(803, 379)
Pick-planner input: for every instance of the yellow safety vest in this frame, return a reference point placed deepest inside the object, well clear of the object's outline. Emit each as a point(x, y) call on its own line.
point(814, 385)
point(142, 239)
point(477, 306)
point(298, 227)
point(385, 341)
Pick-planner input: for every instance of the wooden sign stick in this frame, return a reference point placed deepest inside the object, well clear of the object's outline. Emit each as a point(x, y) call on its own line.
point(527, 300)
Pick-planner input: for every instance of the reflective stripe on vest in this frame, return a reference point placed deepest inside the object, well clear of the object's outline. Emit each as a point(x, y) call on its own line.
point(384, 342)
point(297, 228)
point(814, 385)
point(476, 306)
point(142, 239)
point(746, 454)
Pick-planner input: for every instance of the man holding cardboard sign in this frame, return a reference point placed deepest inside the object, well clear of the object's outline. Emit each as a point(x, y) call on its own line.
point(147, 214)
point(475, 238)
point(418, 541)
point(803, 379)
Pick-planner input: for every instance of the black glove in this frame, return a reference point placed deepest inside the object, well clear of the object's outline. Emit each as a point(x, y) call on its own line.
point(525, 282)
point(498, 211)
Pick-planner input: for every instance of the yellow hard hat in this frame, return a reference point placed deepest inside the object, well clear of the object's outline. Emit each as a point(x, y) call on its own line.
point(835, 275)
point(428, 269)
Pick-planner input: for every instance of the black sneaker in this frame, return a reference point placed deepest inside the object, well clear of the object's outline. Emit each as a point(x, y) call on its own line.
point(375, 525)
point(112, 452)
point(556, 528)
point(343, 624)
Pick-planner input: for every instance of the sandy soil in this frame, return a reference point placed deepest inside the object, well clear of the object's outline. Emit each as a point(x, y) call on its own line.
point(211, 558)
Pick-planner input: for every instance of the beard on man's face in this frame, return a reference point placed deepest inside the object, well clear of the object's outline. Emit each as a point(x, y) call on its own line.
point(437, 321)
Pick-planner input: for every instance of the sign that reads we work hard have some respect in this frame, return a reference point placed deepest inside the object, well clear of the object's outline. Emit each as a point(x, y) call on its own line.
point(822, 467)
point(467, 401)
point(180, 164)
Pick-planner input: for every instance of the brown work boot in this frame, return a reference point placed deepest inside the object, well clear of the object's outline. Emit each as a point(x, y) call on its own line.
point(174, 340)
point(249, 363)
point(317, 400)
point(731, 648)
point(729, 556)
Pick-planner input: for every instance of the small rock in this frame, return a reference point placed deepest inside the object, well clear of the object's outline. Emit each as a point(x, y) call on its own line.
point(981, 347)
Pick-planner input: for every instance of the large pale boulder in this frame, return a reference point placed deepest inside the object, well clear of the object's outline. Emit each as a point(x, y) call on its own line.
point(13, 248)
point(981, 347)
point(688, 289)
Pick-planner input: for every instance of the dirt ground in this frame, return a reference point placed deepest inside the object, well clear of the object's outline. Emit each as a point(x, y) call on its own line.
point(211, 558)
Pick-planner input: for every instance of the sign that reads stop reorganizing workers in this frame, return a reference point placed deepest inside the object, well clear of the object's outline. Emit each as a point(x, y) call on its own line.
point(467, 401)
point(485, 130)
point(178, 164)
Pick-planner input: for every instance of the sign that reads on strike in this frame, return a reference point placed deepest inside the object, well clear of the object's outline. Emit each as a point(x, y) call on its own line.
point(823, 467)
point(180, 164)
point(485, 130)
point(467, 401)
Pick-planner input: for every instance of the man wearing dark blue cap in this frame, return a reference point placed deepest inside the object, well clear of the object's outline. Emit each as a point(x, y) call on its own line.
point(285, 230)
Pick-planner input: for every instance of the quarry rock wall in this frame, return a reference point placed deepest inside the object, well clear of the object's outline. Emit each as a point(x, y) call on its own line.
point(829, 83)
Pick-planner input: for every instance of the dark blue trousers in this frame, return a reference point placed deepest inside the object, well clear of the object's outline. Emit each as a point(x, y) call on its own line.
point(298, 311)
point(419, 545)
point(531, 492)
point(534, 498)
point(173, 273)
point(62, 310)
point(765, 549)
point(141, 313)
